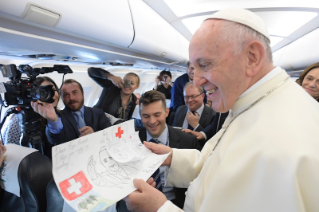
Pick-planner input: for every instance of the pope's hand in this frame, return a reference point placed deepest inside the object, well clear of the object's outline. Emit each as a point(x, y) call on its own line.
point(151, 182)
point(160, 150)
point(47, 111)
point(145, 198)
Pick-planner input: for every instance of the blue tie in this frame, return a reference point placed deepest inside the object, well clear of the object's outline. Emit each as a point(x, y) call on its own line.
point(157, 175)
point(81, 122)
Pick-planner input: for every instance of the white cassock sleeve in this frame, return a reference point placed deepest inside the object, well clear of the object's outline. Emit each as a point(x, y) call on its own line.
point(184, 161)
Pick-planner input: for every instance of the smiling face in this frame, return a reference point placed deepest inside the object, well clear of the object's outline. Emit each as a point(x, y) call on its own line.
point(217, 68)
point(311, 83)
point(153, 117)
point(72, 96)
point(134, 84)
point(193, 98)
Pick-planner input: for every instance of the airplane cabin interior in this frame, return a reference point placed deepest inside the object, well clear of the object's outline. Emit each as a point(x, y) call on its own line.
point(140, 36)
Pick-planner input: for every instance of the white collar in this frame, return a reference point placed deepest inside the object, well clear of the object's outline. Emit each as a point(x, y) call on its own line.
point(266, 78)
point(162, 138)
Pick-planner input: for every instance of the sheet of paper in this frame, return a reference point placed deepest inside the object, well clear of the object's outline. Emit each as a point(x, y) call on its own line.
point(97, 170)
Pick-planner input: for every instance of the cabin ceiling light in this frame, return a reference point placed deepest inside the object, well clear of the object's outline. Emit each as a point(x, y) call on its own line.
point(41, 15)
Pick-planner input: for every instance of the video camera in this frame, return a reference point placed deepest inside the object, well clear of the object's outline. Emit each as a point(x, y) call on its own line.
point(20, 92)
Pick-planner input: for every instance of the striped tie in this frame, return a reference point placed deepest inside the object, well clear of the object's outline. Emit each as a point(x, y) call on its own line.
point(157, 175)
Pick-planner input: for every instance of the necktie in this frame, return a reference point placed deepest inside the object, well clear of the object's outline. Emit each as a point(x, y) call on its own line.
point(189, 126)
point(81, 122)
point(157, 175)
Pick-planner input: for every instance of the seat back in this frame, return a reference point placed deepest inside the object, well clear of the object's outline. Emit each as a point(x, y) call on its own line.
point(34, 174)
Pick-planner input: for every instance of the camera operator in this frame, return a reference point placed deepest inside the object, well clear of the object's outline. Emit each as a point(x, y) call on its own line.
point(117, 98)
point(11, 131)
point(163, 83)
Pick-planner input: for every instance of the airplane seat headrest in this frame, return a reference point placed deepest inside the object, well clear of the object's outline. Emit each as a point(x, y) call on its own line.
point(34, 174)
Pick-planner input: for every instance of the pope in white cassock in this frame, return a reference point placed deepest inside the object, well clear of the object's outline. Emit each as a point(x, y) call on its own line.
point(266, 156)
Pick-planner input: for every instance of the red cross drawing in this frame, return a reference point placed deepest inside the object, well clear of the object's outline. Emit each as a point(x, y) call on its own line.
point(119, 132)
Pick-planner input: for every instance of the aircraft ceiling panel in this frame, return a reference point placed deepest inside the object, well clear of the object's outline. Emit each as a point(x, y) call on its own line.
point(190, 7)
point(155, 36)
point(83, 18)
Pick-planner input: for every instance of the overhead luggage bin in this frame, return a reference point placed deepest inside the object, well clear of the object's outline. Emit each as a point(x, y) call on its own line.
point(300, 53)
point(104, 21)
point(154, 35)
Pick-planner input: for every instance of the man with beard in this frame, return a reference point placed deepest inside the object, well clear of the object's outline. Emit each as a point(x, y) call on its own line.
point(76, 120)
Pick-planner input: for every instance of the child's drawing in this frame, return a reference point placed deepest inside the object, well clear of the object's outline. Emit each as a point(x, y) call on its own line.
point(113, 174)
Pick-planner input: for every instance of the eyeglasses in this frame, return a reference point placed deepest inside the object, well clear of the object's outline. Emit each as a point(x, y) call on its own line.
point(192, 97)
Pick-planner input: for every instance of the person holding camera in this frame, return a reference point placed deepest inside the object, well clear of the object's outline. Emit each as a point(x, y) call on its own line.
point(11, 131)
point(163, 83)
point(117, 98)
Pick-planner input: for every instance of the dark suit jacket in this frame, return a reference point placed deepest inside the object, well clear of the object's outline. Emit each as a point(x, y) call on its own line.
point(177, 98)
point(216, 125)
point(109, 93)
point(93, 117)
point(180, 140)
point(205, 119)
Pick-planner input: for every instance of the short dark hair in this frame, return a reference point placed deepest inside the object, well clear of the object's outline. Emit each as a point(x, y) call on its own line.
point(306, 71)
point(188, 64)
point(70, 81)
point(167, 73)
point(152, 96)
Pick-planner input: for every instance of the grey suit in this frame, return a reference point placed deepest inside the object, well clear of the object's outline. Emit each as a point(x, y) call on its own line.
point(206, 117)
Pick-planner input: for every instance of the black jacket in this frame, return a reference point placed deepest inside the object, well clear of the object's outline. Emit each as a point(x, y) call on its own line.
point(93, 117)
point(109, 93)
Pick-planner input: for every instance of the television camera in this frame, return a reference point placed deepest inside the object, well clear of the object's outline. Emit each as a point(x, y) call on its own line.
point(19, 92)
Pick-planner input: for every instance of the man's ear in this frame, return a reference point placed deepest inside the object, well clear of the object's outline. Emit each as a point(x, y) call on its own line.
point(167, 111)
point(255, 53)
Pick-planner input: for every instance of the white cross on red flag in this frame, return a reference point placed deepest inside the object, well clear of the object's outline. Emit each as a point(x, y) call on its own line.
point(75, 186)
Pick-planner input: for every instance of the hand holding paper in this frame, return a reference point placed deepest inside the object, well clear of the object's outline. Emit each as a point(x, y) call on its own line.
point(160, 150)
point(145, 198)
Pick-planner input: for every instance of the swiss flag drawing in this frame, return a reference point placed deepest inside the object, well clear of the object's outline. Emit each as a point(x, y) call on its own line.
point(75, 186)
